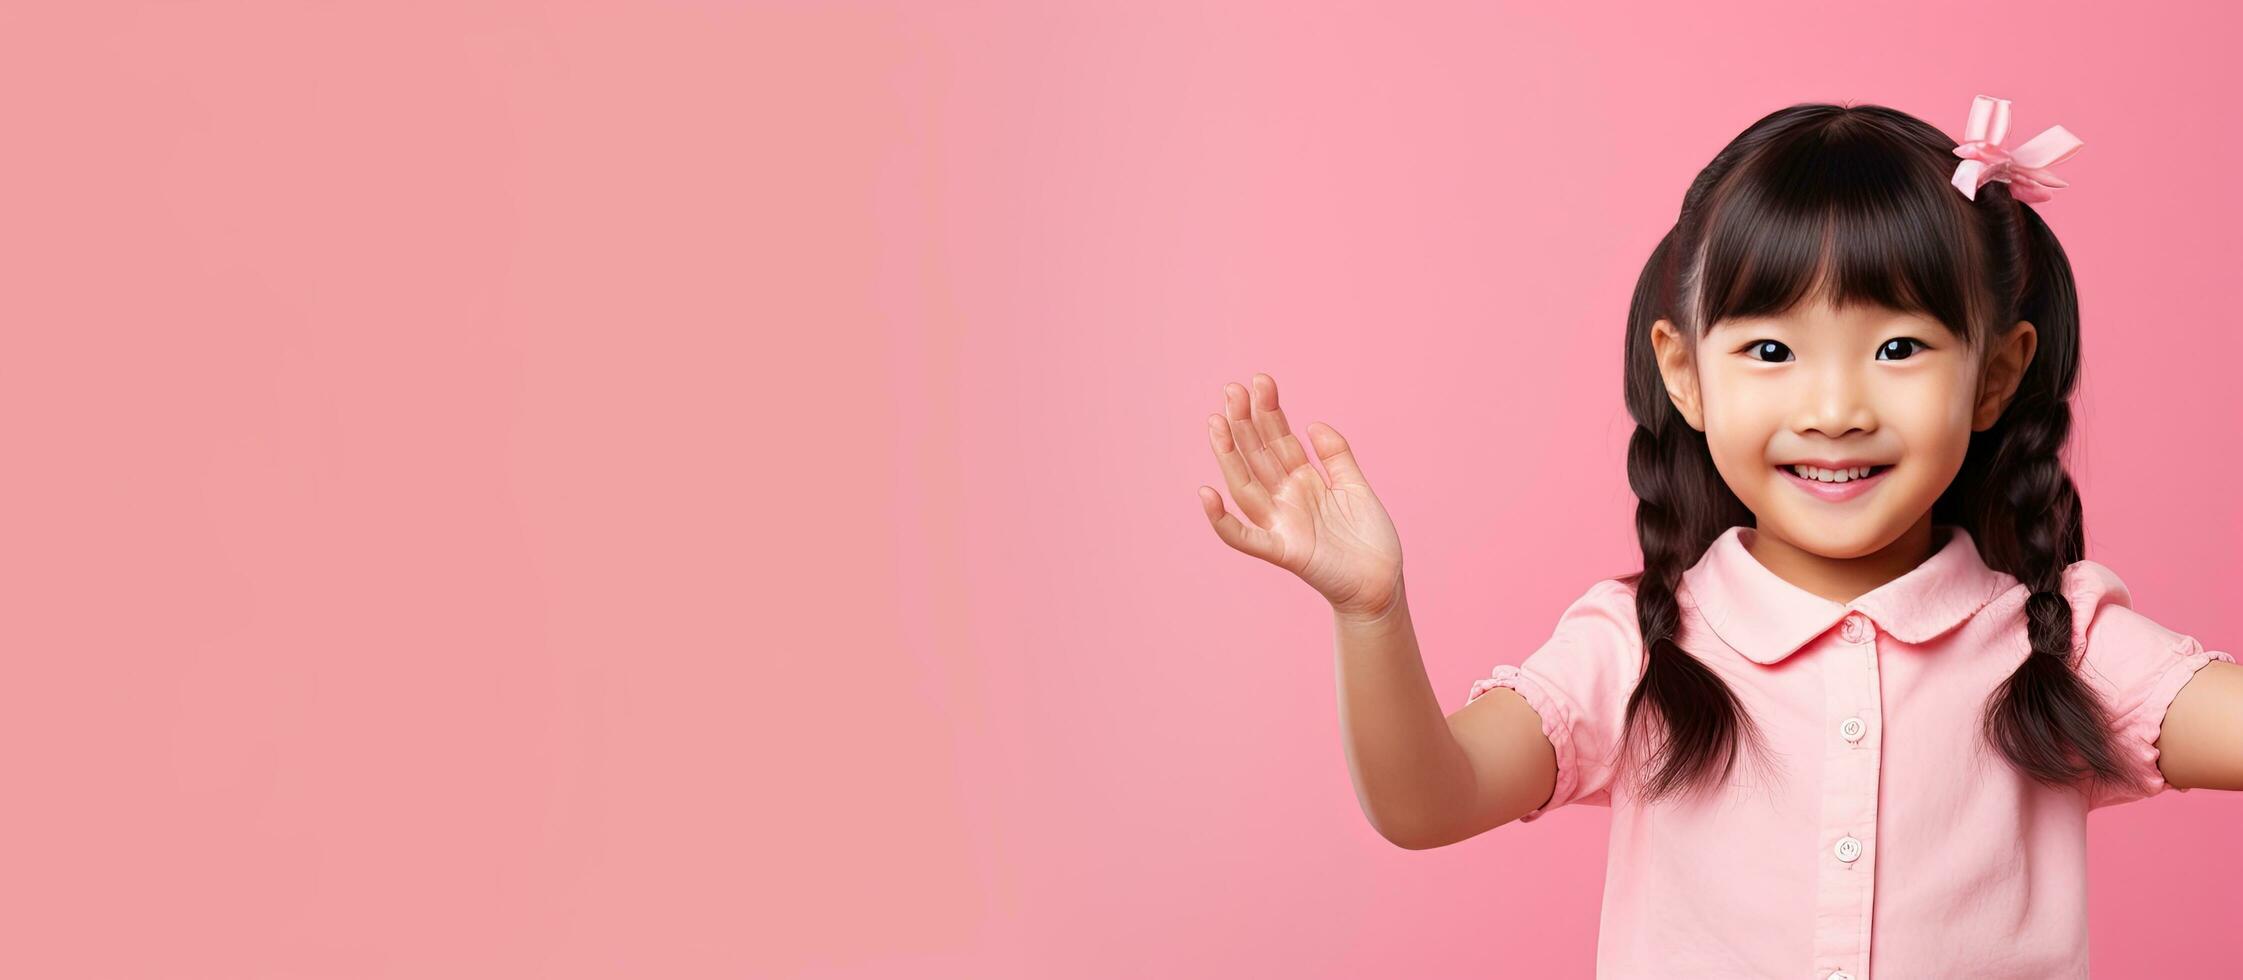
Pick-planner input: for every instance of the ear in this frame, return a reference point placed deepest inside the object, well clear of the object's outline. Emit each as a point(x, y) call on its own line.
point(2005, 369)
point(1673, 353)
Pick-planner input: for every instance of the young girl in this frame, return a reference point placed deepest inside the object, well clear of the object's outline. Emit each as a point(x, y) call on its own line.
point(1851, 715)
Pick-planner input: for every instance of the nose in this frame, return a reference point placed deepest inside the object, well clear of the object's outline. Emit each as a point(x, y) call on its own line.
point(1836, 403)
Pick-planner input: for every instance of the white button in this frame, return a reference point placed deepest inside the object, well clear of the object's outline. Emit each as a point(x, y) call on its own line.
point(1848, 849)
point(1841, 975)
point(1851, 729)
point(1856, 629)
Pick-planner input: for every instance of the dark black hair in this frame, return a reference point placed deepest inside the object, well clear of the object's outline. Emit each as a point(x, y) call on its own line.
point(1853, 205)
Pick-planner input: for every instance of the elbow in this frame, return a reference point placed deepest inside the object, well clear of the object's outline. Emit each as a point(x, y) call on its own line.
point(1414, 835)
point(1423, 820)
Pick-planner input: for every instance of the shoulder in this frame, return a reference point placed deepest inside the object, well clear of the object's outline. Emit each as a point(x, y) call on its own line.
point(1591, 658)
point(1586, 653)
point(2089, 590)
point(1601, 622)
point(1609, 593)
point(2103, 617)
point(1606, 598)
point(2090, 586)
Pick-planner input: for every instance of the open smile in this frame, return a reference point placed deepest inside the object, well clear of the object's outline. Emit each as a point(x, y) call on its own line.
point(1835, 492)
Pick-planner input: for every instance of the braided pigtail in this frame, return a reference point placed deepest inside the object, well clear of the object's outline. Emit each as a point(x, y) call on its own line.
point(2043, 718)
point(1683, 724)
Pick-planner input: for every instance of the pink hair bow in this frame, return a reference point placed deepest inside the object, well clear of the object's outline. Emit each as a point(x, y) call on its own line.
point(2025, 168)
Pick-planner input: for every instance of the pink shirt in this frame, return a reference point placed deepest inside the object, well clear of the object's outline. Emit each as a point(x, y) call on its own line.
point(1894, 844)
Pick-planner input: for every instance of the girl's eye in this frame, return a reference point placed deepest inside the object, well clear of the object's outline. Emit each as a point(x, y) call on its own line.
point(1902, 342)
point(1773, 351)
point(1762, 346)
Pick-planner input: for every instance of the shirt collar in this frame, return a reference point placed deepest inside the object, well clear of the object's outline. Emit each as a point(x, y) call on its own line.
point(1767, 619)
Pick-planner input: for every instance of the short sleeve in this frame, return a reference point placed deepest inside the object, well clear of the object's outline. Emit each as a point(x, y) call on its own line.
point(2136, 666)
point(1579, 682)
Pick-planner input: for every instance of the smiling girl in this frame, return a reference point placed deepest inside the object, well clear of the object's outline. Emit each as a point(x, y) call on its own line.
point(1852, 714)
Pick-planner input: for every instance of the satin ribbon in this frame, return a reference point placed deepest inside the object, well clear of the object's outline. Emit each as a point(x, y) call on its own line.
point(2025, 168)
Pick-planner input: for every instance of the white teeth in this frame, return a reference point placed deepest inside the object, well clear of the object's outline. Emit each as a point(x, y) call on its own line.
point(1832, 476)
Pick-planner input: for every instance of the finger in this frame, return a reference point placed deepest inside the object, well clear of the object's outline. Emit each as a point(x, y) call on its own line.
point(1258, 456)
point(1251, 540)
point(1252, 497)
point(1269, 421)
point(1339, 459)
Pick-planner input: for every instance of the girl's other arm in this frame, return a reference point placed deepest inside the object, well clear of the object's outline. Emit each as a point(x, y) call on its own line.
point(1425, 781)
point(2201, 746)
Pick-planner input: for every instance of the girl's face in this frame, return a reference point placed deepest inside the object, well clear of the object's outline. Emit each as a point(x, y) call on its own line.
point(1815, 386)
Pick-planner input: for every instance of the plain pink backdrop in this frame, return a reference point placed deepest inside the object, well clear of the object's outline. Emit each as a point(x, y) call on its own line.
point(702, 490)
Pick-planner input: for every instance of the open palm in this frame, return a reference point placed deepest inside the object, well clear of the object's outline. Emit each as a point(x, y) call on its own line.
point(1329, 530)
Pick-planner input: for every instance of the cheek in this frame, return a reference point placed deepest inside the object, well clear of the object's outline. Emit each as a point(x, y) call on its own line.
point(1933, 421)
point(1740, 454)
point(1740, 424)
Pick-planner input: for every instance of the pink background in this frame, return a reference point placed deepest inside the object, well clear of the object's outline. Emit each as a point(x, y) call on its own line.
point(700, 490)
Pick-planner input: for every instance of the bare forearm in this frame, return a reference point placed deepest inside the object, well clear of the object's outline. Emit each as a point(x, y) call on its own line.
point(1413, 780)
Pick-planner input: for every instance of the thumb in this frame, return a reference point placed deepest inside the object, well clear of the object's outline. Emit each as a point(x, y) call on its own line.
point(1339, 459)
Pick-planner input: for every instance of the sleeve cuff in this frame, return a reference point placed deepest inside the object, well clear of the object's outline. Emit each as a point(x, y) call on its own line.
point(1556, 726)
point(2138, 732)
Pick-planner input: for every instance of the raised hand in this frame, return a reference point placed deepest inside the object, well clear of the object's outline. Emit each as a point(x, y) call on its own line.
point(1328, 528)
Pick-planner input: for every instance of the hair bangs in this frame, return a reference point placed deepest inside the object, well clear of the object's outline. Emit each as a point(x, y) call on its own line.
point(1843, 216)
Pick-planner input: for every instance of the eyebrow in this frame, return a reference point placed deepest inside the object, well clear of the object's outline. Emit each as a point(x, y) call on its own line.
point(1786, 323)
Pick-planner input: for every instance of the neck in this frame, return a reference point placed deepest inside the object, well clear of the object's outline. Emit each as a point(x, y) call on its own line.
point(1843, 580)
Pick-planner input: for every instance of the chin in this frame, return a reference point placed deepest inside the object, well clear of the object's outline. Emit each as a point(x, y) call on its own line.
point(1834, 535)
point(1847, 545)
